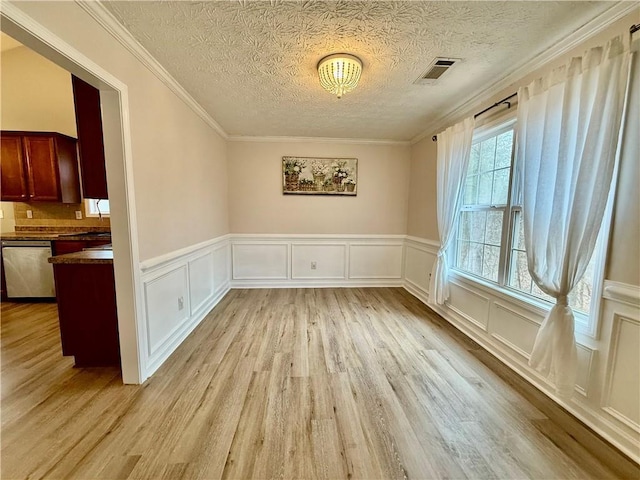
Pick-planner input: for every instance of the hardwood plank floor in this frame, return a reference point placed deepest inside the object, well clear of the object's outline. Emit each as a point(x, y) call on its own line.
point(315, 383)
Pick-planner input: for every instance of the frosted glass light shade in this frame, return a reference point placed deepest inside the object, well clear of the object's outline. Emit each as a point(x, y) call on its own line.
point(339, 73)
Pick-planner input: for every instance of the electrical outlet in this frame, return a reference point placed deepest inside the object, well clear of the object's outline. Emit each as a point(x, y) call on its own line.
point(29, 213)
point(314, 265)
point(180, 303)
point(78, 215)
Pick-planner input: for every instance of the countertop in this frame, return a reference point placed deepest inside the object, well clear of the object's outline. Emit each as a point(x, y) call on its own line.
point(91, 256)
point(89, 236)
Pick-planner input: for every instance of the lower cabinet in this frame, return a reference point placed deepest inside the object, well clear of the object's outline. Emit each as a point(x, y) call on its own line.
point(86, 298)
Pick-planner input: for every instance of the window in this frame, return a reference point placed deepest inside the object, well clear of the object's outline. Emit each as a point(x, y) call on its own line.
point(96, 207)
point(481, 228)
point(519, 278)
point(490, 236)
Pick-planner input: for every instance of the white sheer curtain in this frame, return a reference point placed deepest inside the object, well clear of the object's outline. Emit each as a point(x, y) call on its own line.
point(454, 149)
point(568, 129)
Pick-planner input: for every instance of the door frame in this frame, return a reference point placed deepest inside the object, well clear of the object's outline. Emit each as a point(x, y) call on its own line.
point(114, 99)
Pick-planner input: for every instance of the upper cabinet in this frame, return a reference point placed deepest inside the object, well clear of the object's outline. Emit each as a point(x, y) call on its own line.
point(90, 140)
point(39, 166)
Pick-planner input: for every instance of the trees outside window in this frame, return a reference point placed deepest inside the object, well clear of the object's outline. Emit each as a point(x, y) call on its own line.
point(490, 237)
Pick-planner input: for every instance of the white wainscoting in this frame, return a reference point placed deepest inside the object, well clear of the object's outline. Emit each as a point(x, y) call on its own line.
point(514, 329)
point(621, 392)
point(260, 261)
point(607, 390)
point(292, 261)
point(608, 384)
point(419, 257)
point(318, 261)
point(180, 289)
point(469, 304)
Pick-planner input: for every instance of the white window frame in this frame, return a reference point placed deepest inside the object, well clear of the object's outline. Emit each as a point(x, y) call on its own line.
point(91, 209)
point(496, 127)
point(587, 325)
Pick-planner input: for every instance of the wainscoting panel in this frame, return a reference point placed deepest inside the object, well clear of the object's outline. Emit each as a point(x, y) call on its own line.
point(622, 395)
point(370, 261)
point(180, 289)
point(260, 261)
point(513, 329)
point(585, 364)
point(221, 267)
point(285, 261)
point(328, 259)
point(200, 281)
point(167, 306)
point(418, 265)
point(469, 304)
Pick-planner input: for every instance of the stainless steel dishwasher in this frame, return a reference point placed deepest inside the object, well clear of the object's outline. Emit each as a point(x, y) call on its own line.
point(27, 270)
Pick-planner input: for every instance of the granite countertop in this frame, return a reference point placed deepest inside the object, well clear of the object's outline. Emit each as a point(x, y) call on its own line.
point(55, 236)
point(91, 256)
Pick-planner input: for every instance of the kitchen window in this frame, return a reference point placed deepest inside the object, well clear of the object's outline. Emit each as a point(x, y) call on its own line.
point(490, 238)
point(96, 207)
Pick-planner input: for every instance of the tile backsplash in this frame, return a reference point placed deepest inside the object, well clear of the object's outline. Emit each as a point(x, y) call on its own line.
point(57, 215)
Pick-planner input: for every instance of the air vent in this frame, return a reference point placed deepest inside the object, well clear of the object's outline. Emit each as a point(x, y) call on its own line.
point(437, 68)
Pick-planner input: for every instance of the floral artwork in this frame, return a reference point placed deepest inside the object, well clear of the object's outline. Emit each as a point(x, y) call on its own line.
point(319, 176)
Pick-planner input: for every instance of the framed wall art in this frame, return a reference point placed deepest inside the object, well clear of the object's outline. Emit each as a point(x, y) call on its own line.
point(319, 176)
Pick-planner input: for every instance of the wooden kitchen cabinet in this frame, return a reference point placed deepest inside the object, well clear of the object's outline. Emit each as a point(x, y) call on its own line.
point(87, 313)
point(13, 178)
point(90, 139)
point(39, 167)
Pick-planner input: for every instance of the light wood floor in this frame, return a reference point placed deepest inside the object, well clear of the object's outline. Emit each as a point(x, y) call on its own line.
point(326, 383)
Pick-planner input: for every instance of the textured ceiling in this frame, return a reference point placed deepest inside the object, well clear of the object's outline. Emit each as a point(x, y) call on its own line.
point(252, 64)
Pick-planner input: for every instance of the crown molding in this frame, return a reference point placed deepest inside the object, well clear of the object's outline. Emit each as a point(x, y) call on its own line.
point(107, 21)
point(346, 141)
point(472, 102)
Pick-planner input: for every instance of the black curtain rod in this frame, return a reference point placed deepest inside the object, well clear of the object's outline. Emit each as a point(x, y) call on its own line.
point(497, 104)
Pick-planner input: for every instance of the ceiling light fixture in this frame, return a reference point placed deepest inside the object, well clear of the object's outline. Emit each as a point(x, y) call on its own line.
point(339, 73)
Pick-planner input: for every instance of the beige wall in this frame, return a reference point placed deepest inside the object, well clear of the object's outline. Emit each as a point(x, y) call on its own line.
point(422, 220)
point(624, 248)
point(624, 252)
point(36, 94)
point(257, 204)
point(179, 162)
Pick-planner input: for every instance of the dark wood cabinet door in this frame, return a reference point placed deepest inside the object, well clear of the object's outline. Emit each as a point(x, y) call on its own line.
point(87, 313)
point(42, 171)
point(13, 179)
point(67, 164)
point(90, 139)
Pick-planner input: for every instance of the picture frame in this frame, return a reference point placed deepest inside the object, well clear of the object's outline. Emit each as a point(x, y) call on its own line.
point(319, 176)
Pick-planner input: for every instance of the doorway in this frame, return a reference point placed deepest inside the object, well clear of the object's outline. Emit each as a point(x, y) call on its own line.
point(118, 156)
